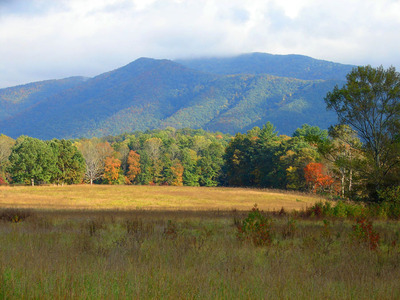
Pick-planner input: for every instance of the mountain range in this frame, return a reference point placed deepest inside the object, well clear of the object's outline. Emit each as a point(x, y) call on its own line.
point(229, 95)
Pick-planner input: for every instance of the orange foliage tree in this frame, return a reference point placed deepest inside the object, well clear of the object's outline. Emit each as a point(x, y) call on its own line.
point(133, 163)
point(316, 177)
point(177, 172)
point(112, 167)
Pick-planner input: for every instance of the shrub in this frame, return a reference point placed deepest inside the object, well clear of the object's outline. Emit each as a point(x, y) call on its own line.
point(256, 228)
point(390, 198)
point(363, 232)
point(290, 229)
point(3, 181)
point(340, 210)
point(14, 215)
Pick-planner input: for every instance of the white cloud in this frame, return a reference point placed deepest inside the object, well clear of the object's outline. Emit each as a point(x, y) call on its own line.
point(54, 39)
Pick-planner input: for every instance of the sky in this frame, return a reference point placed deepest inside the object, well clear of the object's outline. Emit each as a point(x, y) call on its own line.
point(53, 39)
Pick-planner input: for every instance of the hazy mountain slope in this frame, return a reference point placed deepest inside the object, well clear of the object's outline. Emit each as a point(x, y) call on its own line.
point(13, 100)
point(294, 66)
point(149, 93)
point(151, 88)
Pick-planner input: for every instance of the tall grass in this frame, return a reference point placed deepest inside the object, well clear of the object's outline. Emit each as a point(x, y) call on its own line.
point(188, 255)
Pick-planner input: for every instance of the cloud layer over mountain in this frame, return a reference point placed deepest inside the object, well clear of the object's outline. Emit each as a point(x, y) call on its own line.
point(44, 39)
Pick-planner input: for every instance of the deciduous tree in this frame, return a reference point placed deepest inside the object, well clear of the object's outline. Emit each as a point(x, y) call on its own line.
point(133, 163)
point(94, 153)
point(370, 103)
point(32, 160)
point(70, 164)
point(112, 170)
point(316, 176)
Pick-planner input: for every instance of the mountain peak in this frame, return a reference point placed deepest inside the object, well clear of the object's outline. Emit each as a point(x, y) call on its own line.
point(153, 93)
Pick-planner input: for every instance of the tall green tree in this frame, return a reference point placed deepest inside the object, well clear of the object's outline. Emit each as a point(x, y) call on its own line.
point(240, 162)
point(6, 144)
point(32, 161)
point(70, 164)
point(265, 163)
point(370, 103)
point(191, 172)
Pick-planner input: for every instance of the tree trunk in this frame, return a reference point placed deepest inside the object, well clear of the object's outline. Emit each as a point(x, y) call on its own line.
point(350, 179)
point(342, 181)
point(32, 182)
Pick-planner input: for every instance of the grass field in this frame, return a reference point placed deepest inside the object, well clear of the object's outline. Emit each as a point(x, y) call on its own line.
point(83, 242)
point(149, 197)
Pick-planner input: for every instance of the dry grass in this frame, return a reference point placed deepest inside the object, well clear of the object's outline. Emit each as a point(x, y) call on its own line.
point(177, 255)
point(104, 197)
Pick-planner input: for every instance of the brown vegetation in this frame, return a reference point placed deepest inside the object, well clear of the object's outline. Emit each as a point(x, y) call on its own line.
point(150, 197)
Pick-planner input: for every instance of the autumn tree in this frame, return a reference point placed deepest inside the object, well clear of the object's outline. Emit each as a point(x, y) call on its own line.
point(344, 153)
point(94, 153)
point(133, 163)
point(122, 152)
point(316, 177)
point(294, 154)
point(112, 170)
point(177, 173)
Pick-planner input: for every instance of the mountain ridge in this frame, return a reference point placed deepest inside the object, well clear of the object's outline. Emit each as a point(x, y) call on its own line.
point(150, 93)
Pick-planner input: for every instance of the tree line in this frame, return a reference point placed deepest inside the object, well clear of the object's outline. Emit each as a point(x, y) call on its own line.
point(357, 158)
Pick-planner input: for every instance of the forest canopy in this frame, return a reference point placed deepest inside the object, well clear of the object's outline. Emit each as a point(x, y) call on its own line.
point(358, 159)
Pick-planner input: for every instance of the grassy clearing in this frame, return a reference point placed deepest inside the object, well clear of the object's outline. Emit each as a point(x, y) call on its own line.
point(149, 197)
point(83, 242)
point(189, 255)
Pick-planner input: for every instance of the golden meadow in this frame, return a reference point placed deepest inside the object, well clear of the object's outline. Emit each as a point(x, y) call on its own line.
point(152, 242)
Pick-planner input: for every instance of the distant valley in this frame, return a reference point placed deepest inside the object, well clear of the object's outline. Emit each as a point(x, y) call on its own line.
point(218, 94)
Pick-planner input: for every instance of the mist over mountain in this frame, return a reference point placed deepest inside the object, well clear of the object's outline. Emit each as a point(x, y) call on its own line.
point(218, 94)
point(293, 66)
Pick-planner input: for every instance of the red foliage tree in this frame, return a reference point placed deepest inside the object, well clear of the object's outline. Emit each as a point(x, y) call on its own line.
point(316, 177)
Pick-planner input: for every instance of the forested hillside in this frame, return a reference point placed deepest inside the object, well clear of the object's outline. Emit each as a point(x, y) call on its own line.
point(150, 94)
point(14, 100)
point(294, 66)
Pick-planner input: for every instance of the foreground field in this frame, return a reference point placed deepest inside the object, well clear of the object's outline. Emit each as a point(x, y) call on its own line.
point(142, 242)
point(149, 197)
point(191, 255)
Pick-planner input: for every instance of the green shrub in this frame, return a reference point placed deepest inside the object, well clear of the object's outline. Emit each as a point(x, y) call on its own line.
point(390, 201)
point(256, 228)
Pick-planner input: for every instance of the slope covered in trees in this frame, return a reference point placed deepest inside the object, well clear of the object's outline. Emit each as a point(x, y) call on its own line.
point(15, 100)
point(150, 94)
point(293, 66)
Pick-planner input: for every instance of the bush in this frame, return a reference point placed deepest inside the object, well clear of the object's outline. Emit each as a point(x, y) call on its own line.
point(390, 201)
point(365, 234)
point(3, 181)
point(256, 228)
point(14, 215)
point(340, 210)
